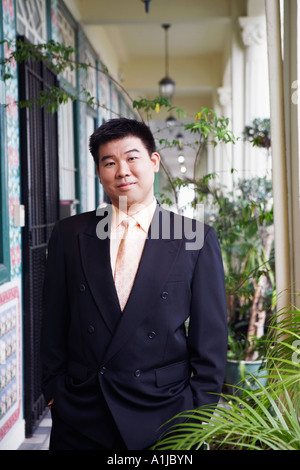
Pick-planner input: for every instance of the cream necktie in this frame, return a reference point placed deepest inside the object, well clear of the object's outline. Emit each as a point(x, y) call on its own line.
point(127, 261)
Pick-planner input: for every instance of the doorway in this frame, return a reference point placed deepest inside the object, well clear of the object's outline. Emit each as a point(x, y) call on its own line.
point(40, 196)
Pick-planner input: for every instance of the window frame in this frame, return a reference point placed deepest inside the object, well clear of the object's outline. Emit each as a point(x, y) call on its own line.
point(72, 91)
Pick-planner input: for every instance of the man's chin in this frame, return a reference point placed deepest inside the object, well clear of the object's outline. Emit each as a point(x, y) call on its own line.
point(129, 204)
point(124, 201)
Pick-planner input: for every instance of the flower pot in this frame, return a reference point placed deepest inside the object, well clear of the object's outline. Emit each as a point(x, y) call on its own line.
point(241, 373)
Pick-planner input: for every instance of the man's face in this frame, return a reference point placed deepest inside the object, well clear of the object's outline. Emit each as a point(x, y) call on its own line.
point(126, 169)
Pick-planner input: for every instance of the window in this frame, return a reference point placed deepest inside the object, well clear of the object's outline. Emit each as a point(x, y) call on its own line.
point(67, 170)
point(66, 117)
point(104, 96)
point(67, 37)
point(31, 20)
point(91, 76)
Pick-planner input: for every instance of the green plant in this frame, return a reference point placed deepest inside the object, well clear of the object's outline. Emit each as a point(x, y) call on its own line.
point(243, 220)
point(238, 347)
point(266, 419)
point(259, 133)
point(244, 223)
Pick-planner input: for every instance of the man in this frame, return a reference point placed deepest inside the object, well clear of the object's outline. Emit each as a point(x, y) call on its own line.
point(117, 366)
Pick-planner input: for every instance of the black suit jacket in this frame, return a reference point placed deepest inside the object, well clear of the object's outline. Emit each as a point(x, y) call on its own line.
point(136, 368)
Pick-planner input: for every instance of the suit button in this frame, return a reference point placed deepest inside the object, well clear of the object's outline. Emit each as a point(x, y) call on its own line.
point(137, 373)
point(103, 370)
point(164, 295)
point(151, 335)
point(91, 329)
point(82, 287)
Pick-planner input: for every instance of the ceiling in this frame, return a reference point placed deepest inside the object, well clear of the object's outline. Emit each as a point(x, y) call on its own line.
point(200, 31)
point(192, 38)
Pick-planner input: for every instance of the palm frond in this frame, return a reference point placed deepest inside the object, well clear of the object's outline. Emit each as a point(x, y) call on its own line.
point(267, 418)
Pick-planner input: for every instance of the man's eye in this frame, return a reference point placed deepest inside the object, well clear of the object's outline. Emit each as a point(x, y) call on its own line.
point(109, 163)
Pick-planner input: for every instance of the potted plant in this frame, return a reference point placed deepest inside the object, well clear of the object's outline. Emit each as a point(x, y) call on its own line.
point(246, 374)
point(265, 419)
point(244, 224)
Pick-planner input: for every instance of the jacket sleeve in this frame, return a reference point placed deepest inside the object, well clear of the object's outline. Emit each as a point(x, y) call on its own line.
point(55, 316)
point(207, 335)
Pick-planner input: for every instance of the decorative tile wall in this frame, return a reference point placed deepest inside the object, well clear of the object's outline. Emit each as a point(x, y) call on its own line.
point(10, 357)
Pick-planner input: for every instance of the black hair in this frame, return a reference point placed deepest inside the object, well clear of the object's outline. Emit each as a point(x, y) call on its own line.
point(116, 129)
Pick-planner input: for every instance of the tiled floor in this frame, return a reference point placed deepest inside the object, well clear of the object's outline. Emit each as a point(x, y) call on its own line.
point(40, 438)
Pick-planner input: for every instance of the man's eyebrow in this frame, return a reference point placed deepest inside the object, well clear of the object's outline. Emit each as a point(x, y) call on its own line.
point(132, 150)
point(105, 157)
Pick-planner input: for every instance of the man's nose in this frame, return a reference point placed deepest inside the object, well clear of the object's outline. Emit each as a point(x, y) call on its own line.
point(123, 170)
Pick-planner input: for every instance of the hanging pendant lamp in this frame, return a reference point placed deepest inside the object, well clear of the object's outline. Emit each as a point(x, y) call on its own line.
point(147, 2)
point(166, 84)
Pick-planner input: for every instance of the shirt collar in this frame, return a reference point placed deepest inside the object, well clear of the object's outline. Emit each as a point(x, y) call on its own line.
point(143, 217)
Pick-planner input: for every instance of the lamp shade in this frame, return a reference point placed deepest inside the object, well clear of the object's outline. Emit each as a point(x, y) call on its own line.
point(166, 87)
point(171, 121)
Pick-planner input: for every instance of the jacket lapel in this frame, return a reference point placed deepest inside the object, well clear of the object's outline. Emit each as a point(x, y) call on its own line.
point(95, 256)
point(156, 263)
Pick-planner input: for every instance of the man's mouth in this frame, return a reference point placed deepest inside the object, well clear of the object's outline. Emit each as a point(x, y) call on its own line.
point(125, 185)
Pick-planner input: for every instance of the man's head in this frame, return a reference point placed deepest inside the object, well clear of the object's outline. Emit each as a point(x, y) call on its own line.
point(126, 160)
point(116, 129)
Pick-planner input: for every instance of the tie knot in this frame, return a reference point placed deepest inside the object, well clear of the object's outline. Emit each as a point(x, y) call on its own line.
point(129, 222)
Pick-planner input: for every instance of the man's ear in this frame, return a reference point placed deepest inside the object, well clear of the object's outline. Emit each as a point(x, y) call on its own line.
point(155, 158)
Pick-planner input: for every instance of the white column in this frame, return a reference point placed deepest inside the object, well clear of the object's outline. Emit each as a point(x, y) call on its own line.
point(253, 32)
point(256, 90)
point(280, 183)
point(237, 87)
point(291, 118)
